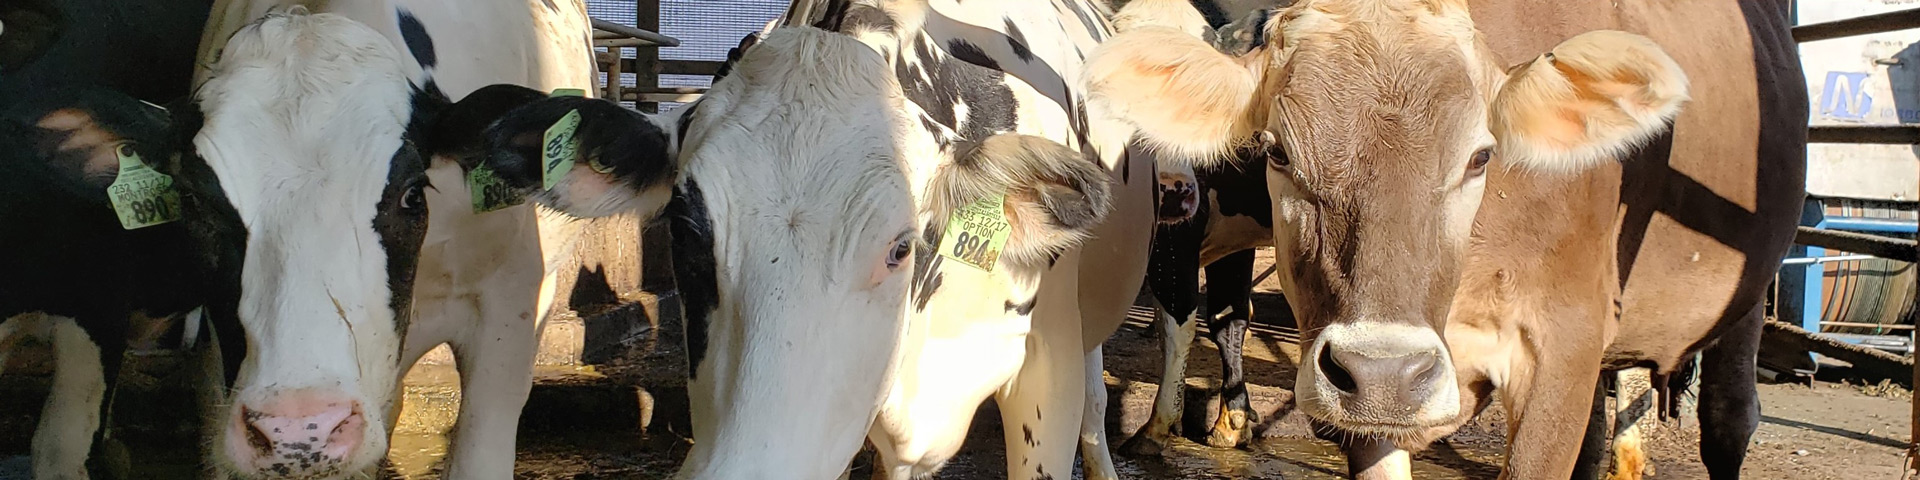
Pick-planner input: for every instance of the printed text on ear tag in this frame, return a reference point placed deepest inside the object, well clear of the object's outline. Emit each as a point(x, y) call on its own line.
point(559, 147)
point(977, 233)
point(490, 192)
point(142, 197)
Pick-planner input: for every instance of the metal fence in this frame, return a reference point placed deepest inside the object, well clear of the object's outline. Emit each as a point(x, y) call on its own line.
point(663, 77)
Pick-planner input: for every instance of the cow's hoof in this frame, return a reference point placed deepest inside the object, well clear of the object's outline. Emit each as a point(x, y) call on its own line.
point(1142, 445)
point(1231, 431)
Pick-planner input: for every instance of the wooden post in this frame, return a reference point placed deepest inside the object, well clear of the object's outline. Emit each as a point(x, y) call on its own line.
point(614, 87)
point(1633, 400)
point(646, 16)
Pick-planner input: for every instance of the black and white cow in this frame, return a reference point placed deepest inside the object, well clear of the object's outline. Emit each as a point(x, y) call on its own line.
point(1229, 217)
point(73, 274)
point(305, 162)
point(806, 195)
point(340, 167)
point(73, 75)
point(987, 103)
point(1211, 217)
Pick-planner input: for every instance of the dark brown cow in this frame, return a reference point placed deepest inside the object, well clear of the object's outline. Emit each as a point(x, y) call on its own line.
point(1395, 115)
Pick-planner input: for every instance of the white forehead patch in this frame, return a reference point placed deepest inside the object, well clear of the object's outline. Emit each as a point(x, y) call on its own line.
point(303, 108)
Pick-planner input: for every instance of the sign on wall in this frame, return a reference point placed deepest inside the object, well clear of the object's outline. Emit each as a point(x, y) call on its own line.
point(1862, 80)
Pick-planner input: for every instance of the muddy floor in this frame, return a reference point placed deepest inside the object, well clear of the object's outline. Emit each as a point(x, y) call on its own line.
point(627, 420)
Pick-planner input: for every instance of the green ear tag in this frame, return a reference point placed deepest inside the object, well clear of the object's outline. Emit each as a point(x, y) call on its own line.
point(490, 192)
point(561, 147)
point(977, 233)
point(141, 196)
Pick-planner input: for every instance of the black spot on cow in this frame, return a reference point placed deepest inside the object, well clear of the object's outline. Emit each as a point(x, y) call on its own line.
point(926, 271)
point(968, 52)
point(734, 54)
point(1238, 187)
point(1215, 16)
point(1022, 308)
point(835, 13)
point(693, 266)
point(1260, 27)
point(1094, 29)
point(1027, 430)
point(989, 102)
point(418, 41)
point(1018, 42)
point(1040, 473)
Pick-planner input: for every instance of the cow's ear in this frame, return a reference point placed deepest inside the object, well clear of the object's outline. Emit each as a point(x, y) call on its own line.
point(455, 129)
point(622, 161)
point(1053, 196)
point(1594, 98)
point(1185, 96)
point(76, 135)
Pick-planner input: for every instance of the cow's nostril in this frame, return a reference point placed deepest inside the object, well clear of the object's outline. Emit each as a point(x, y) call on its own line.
point(256, 438)
point(1420, 369)
point(1336, 374)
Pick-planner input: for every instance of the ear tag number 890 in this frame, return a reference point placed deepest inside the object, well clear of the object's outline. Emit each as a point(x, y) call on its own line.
point(141, 196)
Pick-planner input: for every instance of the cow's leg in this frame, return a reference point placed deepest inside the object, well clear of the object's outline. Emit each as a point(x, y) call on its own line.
point(72, 415)
point(1169, 400)
point(1729, 401)
point(1094, 454)
point(1548, 407)
point(1592, 463)
point(1040, 408)
point(1173, 275)
point(1229, 288)
point(496, 374)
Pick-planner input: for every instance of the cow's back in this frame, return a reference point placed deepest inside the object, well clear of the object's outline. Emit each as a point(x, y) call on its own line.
point(538, 44)
point(1699, 219)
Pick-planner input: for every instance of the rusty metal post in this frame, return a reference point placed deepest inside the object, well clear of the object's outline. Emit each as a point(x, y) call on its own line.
point(646, 16)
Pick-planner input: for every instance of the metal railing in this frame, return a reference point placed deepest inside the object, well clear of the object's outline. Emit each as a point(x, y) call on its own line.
point(1877, 245)
point(1888, 247)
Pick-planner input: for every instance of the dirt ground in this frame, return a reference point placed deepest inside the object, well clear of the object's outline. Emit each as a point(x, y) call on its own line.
point(627, 420)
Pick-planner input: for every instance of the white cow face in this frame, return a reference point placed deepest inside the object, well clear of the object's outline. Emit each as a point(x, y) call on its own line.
point(306, 189)
point(797, 191)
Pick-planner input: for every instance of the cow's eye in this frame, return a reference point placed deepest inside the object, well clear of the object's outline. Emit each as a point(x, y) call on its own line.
point(415, 199)
point(1478, 164)
point(902, 248)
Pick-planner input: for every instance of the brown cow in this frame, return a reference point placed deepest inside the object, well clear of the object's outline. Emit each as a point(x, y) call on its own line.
point(1389, 112)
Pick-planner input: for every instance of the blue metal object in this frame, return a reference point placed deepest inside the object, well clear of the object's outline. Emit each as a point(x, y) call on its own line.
point(1810, 281)
point(1858, 224)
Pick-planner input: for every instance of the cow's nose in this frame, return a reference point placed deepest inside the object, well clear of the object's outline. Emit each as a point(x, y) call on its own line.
point(1389, 383)
point(299, 434)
